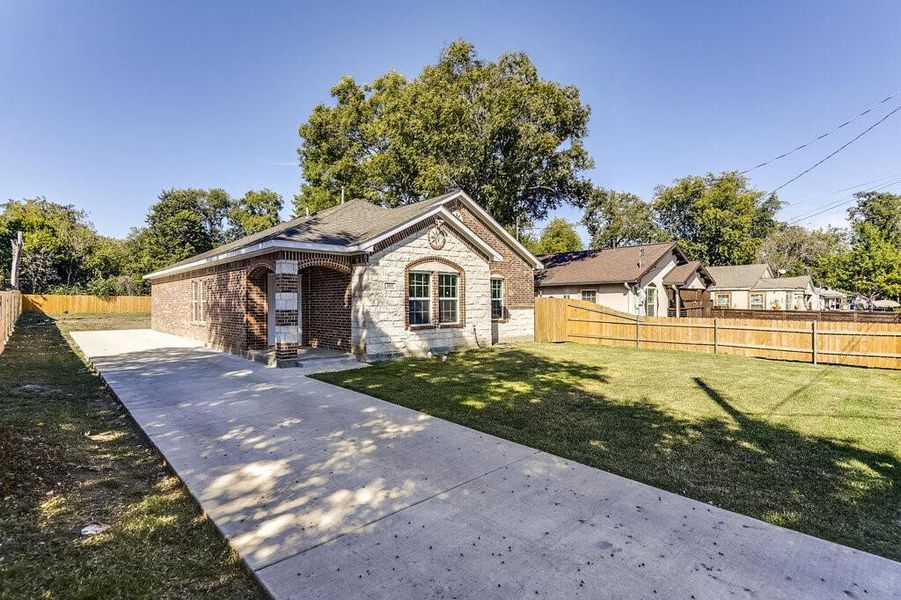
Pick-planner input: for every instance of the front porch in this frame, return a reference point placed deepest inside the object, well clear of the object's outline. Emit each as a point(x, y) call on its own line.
point(298, 312)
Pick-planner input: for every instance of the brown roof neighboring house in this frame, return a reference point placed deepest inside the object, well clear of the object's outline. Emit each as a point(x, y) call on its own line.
point(682, 274)
point(616, 265)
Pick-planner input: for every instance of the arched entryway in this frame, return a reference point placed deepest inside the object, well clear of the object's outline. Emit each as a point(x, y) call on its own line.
point(325, 307)
point(259, 320)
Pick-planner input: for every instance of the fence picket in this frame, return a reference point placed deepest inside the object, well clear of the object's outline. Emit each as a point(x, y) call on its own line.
point(848, 343)
point(76, 304)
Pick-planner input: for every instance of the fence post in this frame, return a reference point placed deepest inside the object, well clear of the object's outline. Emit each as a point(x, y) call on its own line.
point(813, 340)
point(716, 335)
point(637, 331)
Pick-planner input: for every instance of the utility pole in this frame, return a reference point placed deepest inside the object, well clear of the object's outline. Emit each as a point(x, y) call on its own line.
point(17, 249)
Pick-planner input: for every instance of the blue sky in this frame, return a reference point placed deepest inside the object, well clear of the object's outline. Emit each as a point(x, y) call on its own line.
point(104, 104)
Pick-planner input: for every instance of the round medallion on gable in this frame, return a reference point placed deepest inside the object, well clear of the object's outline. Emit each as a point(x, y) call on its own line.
point(437, 236)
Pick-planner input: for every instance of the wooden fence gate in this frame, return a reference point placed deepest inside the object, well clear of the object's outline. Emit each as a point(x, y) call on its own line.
point(859, 344)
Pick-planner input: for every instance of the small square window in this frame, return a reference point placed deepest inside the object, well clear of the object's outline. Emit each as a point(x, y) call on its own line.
point(590, 296)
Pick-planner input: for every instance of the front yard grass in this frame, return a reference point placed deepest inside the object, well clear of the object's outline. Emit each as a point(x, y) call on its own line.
point(813, 448)
point(69, 456)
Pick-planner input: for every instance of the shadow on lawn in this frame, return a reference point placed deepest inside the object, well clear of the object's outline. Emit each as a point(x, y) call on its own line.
point(816, 485)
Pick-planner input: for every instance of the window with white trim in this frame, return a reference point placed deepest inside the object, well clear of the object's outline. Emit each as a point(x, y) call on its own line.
point(590, 296)
point(721, 300)
point(200, 301)
point(497, 298)
point(419, 304)
point(757, 302)
point(448, 298)
point(798, 302)
point(650, 301)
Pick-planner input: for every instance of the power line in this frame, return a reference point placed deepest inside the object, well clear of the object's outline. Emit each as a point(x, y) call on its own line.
point(878, 180)
point(831, 154)
point(828, 133)
point(836, 204)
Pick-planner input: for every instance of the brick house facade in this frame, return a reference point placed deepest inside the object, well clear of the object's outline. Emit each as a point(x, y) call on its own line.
point(347, 278)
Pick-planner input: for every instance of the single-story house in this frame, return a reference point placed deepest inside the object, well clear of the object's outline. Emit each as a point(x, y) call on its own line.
point(754, 287)
point(830, 299)
point(650, 279)
point(433, 276)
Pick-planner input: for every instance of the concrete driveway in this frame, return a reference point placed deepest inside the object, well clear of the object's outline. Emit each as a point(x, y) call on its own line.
point(329, 493)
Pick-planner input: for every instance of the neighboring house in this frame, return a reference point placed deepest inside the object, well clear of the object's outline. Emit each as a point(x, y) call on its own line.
point(830, 299)
point(754, 287)
point(437, 275)
point(652, 279)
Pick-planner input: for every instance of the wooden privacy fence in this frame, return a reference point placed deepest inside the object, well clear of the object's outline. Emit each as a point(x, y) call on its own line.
point(856, 316)
point(57, 305)
point(860, 344)
point(10, 309)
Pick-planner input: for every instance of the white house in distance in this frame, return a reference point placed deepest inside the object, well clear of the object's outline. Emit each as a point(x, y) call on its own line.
point(754, 287)
point(651, 279)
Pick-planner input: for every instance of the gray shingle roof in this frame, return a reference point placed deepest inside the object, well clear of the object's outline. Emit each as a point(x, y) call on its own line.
point(737, 276)
point(345, 224)
point(785, 283)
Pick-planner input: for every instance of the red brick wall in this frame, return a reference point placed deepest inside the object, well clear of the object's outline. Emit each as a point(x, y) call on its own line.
point(326, 308)
point(224, 327)
point(256, 315)
point(518, 274)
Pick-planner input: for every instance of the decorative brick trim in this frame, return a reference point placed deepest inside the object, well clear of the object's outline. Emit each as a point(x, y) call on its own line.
point(337, 262)
point(404, 234)
point(433, 291)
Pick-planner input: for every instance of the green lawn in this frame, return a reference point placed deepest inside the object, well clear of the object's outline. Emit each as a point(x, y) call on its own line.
point(812, 448)
point(70, 456)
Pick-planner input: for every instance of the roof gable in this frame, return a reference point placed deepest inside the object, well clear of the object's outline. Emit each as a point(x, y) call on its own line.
point(627, 264)
point(739, 276)
point(352, 227)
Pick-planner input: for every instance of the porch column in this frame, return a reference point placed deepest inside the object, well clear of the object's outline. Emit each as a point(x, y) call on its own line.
point(287, 338)
point(678, 301)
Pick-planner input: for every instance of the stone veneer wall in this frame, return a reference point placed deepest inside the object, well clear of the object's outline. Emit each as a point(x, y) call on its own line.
point(379, 314)
point(518, 323)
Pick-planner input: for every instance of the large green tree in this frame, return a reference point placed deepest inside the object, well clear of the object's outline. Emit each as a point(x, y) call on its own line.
point(558, 236)
point(62, 250)
point(874, 264)
point(512, 140)
point(616, 219)
point(253, 212)
point(179, 225)
point(717, 218)
point(794, 250)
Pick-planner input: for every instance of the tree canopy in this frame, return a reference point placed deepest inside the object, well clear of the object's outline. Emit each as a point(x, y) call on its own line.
point(718, 218)
point(253, 212)
point(511, 140)
point(794, 250)
point(873, 266)
point(62, 250)
point(616, 219)
point(558, 236)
